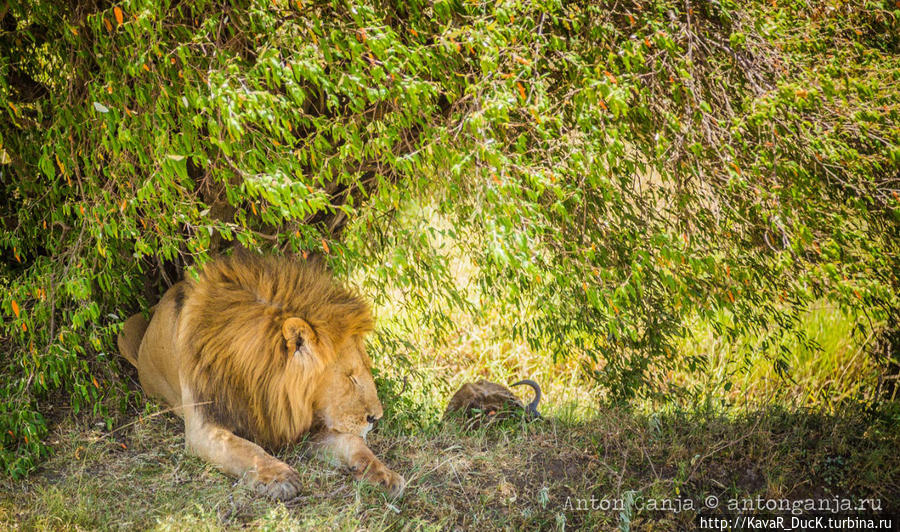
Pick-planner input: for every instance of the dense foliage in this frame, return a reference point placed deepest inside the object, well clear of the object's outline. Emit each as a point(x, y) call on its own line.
point(612, 169)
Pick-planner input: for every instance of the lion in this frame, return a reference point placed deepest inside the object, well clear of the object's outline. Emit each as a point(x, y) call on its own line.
point(254, 354)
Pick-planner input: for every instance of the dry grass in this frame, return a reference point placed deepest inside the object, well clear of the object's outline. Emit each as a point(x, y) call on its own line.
point(510, 475)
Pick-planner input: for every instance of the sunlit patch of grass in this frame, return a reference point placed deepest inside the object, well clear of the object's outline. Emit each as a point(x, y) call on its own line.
point(426, 347)
point(835, 369)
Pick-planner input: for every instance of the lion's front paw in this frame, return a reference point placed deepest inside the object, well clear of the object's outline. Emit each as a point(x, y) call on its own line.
point(393, 482)
point(278, 480)
point(378, 473)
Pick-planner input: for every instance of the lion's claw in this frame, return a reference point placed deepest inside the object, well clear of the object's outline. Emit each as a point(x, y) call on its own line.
point(394, 483)
point(279, 481)
point(378, 473)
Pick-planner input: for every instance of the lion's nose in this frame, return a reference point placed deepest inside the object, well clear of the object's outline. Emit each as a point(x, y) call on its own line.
point(372, 419)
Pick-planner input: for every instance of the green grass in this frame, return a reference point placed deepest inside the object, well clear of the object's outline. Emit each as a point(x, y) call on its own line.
point(510, 475)
point(836, 368)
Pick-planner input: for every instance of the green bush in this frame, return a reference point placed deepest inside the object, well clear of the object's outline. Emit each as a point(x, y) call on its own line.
point(612, 169)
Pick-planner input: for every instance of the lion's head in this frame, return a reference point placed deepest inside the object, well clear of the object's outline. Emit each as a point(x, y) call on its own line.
point(346, 400)
point(276, 345)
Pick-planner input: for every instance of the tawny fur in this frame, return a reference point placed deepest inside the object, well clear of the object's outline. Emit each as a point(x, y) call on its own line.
point(231, 329)
point(258, 351)
point(130, 338)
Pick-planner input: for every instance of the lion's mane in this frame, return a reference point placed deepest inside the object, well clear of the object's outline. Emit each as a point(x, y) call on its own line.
point(230, 326)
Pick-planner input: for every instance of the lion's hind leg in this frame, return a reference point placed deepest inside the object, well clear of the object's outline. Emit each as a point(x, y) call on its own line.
point(129, 339)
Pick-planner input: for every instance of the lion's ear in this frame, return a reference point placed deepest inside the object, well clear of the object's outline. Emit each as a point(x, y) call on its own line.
point(297, 333)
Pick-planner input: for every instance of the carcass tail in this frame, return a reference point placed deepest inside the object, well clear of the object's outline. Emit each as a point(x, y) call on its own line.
point(531, 408)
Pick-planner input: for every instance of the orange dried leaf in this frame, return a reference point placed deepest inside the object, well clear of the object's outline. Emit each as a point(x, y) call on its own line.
point(94, 380)
point(120, 17)
point(521, 89)
point(24, 327)
point(107, 24)
point(145, 67)
point(15, 308)
point(325, 246)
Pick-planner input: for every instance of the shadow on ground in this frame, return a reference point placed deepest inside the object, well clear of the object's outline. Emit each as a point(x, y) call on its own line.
point(543, 475)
